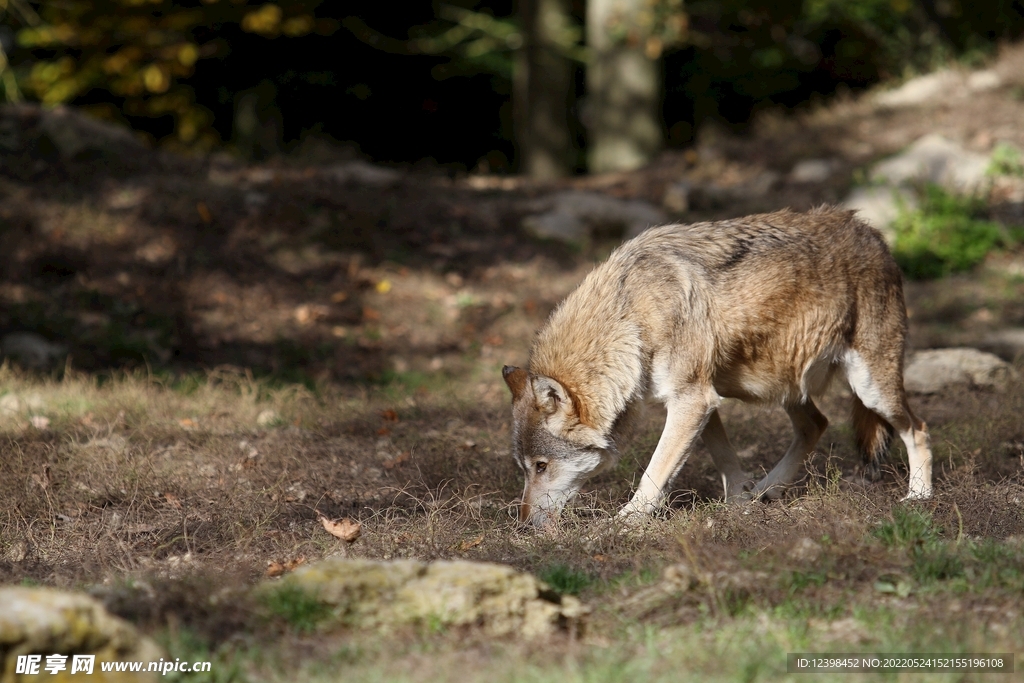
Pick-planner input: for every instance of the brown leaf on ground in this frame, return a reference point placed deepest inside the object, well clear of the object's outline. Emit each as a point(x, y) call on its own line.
point(275, 568)
point(471, 543)
point(389, 415)
point(173, 500)
point(204, 213)
point(397, 460)
point(346, 529)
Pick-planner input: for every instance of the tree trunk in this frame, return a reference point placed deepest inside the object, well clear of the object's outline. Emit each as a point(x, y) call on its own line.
point(542, 94)
point(623, 115)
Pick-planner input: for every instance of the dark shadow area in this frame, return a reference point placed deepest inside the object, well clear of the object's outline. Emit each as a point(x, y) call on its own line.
point(181, 264)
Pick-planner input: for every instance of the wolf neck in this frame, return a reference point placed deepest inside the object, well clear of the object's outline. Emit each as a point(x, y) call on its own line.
point(596, 353)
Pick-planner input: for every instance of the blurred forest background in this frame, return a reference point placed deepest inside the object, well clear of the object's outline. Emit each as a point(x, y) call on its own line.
point(546, 87)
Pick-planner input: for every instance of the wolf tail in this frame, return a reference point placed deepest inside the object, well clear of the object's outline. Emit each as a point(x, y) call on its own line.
point(873, 436)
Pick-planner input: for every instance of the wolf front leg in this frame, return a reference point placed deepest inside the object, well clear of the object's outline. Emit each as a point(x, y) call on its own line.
point(688, 413)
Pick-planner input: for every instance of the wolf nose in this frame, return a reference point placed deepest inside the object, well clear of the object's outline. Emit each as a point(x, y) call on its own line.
point(524, 513)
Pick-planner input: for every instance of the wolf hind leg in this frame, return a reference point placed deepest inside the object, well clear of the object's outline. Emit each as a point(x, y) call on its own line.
point(735, 481)
point(879, 386)
point(808, 426)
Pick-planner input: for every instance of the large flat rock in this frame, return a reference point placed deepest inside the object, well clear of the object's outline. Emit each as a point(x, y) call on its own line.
point(935, 370)
point(494, 597)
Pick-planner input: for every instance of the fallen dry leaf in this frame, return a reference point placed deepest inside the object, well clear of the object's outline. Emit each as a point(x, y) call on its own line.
point(397, 460)
point(471, 543)
point(43, 480)
point(346, 529)
point(172, 500)
point(389, 415)
point(204, 213)
point(188, 423)
point(338, 297)
point(278, 568)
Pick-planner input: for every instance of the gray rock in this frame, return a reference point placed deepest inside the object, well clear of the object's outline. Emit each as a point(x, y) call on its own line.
point(371, 593)
point(934, 159)
point(932, 371)
point(574, 216)
point(74, 133)
point(921, 90)
point(31, 350)
point(986, 79)
point(879, 206)
point(43, 621)
point(812, 171)
point(363, 173)
point(1007, 343)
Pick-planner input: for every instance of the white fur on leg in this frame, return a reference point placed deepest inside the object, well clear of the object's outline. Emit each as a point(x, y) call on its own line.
point(919, 462)
point(687, 415)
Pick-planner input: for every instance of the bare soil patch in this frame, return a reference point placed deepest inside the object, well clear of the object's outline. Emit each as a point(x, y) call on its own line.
point(252, 346)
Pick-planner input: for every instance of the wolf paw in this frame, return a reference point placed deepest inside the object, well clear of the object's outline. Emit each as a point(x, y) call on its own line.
point(741, 491)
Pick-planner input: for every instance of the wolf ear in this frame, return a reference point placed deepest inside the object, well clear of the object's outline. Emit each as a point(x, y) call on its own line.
point(515, 378)
point(551, 396)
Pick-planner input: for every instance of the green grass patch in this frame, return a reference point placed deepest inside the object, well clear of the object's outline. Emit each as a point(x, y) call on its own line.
point(186, 646)
point(907, 528)
point(565, 579)
point(961, 566)
point(1006, 160)
point(946, 234)
point(302, 610)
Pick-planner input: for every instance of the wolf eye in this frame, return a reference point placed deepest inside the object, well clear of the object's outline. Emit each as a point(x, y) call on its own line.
point(541, 466)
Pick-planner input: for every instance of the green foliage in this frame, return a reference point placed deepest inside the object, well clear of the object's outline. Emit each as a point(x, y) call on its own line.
point(907, 528)
point(947, 234)
point(565, 579)
point(141, 50)
point(797, 581)
point(1006, 160)
point(297, 607)
point(962, 566)
point(187, 646)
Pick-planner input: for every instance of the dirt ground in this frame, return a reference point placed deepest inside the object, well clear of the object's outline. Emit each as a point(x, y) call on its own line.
point(252, 346)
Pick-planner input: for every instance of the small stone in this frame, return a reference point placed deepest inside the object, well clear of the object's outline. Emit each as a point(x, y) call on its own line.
point(805, 550)
point(267, 417)
point(812, 171)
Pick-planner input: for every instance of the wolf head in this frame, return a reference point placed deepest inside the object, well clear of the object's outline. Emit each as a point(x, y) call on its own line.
point(552, 443)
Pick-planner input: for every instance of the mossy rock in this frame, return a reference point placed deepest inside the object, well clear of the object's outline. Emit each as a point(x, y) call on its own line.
point(43, 621)
point(496, 598)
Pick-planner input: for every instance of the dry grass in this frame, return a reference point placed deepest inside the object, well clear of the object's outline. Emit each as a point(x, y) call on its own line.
point(375, 322)
point(148, 488)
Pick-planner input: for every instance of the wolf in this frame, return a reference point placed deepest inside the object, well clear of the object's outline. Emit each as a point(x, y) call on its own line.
point(766, 308)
